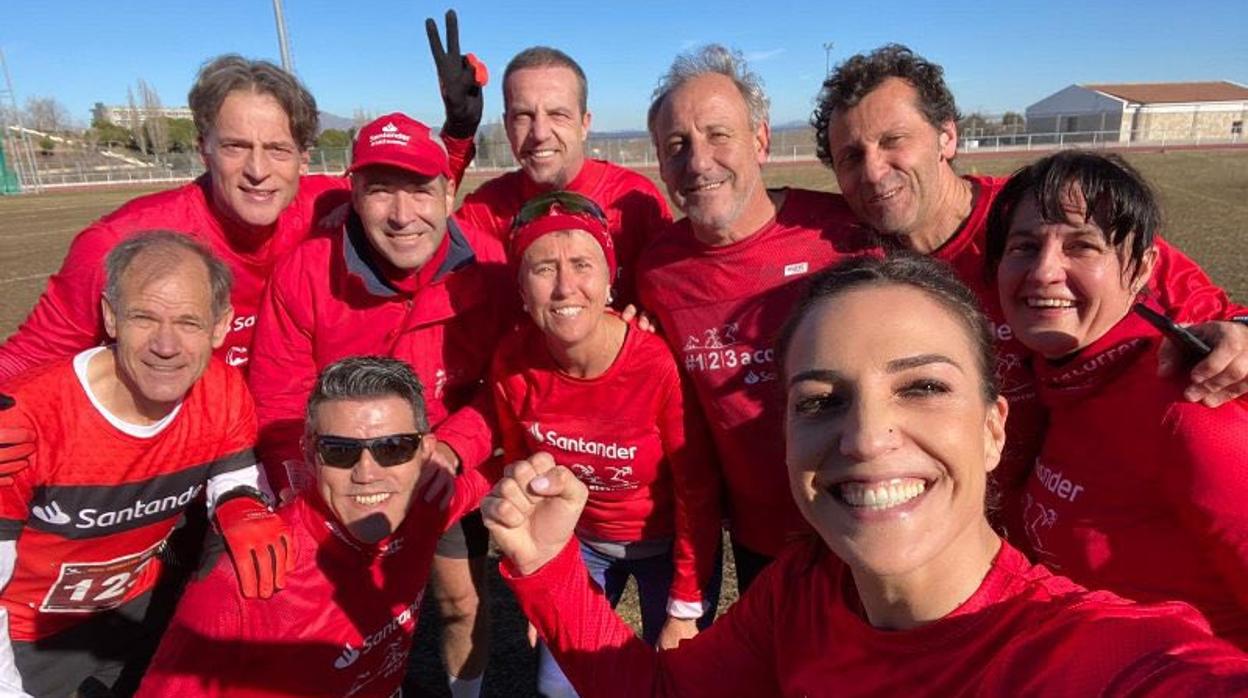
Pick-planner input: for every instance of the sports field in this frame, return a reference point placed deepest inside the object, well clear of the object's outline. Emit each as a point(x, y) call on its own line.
point(1204, 195)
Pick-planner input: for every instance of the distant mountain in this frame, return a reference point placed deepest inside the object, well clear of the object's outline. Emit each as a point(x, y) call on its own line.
point(329, 121)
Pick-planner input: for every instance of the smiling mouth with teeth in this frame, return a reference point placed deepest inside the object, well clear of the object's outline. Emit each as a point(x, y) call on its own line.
point(369, 500)
point(878, 496)
point(1050, 303)
point(568, 311)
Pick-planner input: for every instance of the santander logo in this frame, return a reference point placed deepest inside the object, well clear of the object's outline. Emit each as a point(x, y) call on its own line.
point(578, 444)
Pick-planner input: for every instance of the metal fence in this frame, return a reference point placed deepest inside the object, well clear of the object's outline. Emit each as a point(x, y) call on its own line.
point(103, 168)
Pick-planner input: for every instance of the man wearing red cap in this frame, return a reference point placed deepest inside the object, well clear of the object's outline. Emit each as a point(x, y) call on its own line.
point(547, 122)
point(401, 279)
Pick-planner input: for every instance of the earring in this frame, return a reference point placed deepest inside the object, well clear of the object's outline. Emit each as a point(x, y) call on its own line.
point(610, 295)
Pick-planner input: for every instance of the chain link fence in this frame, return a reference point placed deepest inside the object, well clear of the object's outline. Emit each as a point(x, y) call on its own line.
point(66, 167)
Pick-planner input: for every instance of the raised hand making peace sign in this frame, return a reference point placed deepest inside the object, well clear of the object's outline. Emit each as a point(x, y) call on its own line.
point(460, 78)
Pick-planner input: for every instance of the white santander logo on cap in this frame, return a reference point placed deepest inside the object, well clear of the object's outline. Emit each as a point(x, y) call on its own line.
point(389, 128)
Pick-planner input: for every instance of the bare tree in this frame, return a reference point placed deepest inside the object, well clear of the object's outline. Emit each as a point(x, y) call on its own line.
point(136, 122)
point(46, 114)
point(157, 131)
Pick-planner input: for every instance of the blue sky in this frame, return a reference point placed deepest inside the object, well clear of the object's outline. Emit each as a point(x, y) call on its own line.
point(374, 56)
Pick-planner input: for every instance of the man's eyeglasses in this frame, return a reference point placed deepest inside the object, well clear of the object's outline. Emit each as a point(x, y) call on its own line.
point(568, 202)
point(388, 451)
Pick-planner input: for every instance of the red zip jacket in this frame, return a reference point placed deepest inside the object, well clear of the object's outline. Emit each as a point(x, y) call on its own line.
point(66, 319)
point(720, 309)
point(1137, 490)
point(342, 626)
point(799, 631)
point(628, 435)
point(635, 210)
point(1178, 283)
point(329, 299)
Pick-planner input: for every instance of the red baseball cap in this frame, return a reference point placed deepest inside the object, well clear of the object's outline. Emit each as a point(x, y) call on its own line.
point(399, 141)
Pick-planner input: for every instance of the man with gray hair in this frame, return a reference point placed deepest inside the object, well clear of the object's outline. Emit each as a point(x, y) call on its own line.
point(127, 435)
point(721, 280)
point(546, 117)
point(344, 624)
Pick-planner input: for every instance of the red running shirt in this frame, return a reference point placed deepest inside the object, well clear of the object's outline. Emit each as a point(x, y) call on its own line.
point(628, 434)
point(720, 309)
point(797, 632)
point(636, 212)
point(94, 507)
point(1137, 490)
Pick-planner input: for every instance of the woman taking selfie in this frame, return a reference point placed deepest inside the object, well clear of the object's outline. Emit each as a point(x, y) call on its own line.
point(893, 422)
point(1136, 490)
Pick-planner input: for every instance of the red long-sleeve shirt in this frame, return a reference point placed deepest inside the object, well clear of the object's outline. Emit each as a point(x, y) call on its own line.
point(342, 626)
point(329, 299)
point(629, 435)
point(1178, 284)
point(1137, 490)
point(67, 318)
point(635, 210)
point(720, 309)
point(798, 632)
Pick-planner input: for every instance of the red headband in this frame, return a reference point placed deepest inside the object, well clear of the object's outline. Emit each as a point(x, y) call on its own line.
point(557, 221)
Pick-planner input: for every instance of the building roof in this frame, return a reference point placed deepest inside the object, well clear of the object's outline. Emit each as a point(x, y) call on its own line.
point(1170, 92)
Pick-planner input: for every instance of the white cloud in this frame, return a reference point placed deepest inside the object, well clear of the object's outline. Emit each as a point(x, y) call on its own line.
point(757, 56)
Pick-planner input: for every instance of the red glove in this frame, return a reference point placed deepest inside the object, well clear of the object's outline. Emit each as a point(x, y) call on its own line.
point(262, 547)
point(16, 445)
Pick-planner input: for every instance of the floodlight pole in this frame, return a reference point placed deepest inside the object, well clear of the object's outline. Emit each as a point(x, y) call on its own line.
point(26, 154)
point(827, 57)
point(282, 43)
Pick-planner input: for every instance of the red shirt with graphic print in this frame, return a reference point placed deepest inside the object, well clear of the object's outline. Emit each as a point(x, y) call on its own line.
point(1137, 490)
point(720, 309)
point(628, 434)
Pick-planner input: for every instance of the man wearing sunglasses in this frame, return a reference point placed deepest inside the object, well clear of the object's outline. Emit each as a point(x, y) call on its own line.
point(398, 278)
point(546, 117)
point(344, 623)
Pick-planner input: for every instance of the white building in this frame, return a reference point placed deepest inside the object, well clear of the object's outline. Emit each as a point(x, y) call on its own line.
point(1143, 112)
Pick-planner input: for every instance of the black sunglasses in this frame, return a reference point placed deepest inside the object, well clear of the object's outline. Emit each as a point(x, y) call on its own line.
point(569, 202)
point(388, 451)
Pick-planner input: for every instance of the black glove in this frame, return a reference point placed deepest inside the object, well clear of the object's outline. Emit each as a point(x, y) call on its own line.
point(460, 78)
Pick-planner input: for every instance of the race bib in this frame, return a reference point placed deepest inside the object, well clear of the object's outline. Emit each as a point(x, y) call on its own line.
point(89, 587)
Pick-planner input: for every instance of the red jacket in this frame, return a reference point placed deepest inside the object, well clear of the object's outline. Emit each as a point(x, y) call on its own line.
point(720, 308)
point(628, 435)
point(1137, 490)
point(798, 631)
point(636, 212)
point(329, 299)
point(66, 319)
point(342, 626)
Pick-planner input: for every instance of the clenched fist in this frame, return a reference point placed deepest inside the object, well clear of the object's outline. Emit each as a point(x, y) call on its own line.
point(532, 512)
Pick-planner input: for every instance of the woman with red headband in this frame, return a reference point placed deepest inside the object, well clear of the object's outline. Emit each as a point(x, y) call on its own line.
point(1136, 490)
point(604, 398)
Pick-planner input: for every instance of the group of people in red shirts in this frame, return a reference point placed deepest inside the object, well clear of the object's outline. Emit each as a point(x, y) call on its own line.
point(914, 403)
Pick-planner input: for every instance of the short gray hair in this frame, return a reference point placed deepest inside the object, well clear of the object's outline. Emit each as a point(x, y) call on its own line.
point(712, 59)
point(364, 377)
point(169, 245)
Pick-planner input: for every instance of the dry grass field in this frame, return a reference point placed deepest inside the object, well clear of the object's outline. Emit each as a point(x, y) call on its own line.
point(1204, 195)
